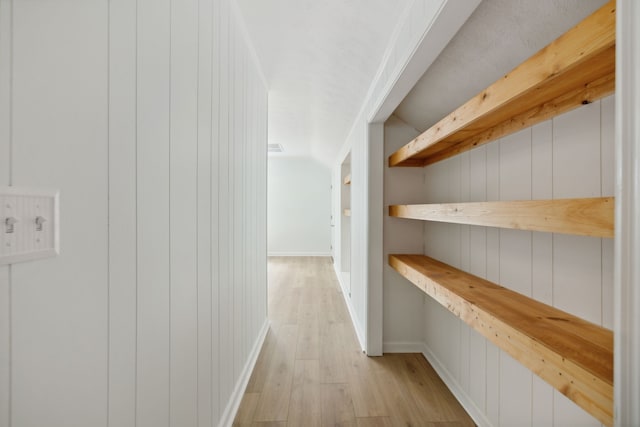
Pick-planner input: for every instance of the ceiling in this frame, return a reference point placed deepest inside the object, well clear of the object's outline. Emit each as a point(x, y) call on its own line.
point(319, 59)
point(498, 36)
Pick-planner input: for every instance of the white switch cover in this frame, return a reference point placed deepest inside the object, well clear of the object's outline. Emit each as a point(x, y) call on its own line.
point(29, 225)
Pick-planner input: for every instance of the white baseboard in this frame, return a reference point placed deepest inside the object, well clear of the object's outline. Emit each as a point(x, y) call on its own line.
point(352, 312)
point(402, 347)
point(339, 276)
point(321, 254)
point(478, 416)
point(231, 410)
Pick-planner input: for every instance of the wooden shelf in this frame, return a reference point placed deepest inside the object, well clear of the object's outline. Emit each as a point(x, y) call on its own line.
point(571, 354)
point(347, 212)
point(583, 217)
point(577, 68)
point(347, 180)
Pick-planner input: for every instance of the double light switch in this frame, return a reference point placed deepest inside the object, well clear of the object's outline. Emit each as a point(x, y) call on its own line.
point(28, 224)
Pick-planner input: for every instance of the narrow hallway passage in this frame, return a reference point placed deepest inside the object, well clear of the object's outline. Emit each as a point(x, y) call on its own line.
point(311, 371)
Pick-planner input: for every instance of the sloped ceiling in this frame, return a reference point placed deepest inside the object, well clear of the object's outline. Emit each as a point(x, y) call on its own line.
point(498, 36)
point(319, 59)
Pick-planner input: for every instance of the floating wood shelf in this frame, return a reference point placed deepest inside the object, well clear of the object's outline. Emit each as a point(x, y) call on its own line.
point(577, 68)
point(347, 212)
point(347, 180)
point(571, 354)
point(583, 217)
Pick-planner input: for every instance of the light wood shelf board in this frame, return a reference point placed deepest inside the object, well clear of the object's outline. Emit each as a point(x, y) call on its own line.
point(591, 92)
point(571, 354)
point(583, 217)
point(577, 68)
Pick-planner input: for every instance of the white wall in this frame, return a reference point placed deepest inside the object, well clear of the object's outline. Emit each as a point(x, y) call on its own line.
point(345, 223)
point(403, 303)
point(299, 207)
point(627, 240)
point(573, 273)
point(423, 31)
point(5, 179)
point(150, 117)
point(355, 228)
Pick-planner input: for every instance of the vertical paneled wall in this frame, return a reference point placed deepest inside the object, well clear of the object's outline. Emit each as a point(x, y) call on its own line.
point(569, 156)
point(5, 179)
point(59, 139)
point(122, 214)
point(150, 117)
point(198, 109)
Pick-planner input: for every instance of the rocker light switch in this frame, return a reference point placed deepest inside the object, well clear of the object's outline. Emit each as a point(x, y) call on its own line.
point(28, 224)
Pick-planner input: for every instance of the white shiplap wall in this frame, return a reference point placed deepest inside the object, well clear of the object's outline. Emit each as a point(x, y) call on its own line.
point(150, 117)
point(569, 156)
point(5, 179)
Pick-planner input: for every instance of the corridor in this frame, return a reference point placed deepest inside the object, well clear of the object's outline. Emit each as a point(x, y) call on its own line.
point(311, 371)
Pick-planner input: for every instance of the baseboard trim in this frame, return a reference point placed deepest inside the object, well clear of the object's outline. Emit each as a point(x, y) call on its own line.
point(402, 347)
point(339, 276)
point(293, 254)
point(465, 400)
point(236, 397)
point(352, 312)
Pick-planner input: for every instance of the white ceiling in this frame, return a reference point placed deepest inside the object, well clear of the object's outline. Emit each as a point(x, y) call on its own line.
point(319, 59)
point(498, 36)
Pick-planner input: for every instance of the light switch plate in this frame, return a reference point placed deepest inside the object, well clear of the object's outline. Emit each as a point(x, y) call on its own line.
point(29, 224)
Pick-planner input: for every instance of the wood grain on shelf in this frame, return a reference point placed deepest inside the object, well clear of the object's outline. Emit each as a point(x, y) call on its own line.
point(583, 217)
point(347, 180)
point(577, 68)
point(347, 212)
point(571, 354)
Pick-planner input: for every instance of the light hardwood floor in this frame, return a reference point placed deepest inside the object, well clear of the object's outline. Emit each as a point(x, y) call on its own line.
point(311, 371)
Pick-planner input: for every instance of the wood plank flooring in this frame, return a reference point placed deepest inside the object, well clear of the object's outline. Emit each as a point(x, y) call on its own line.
point(311, 371)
